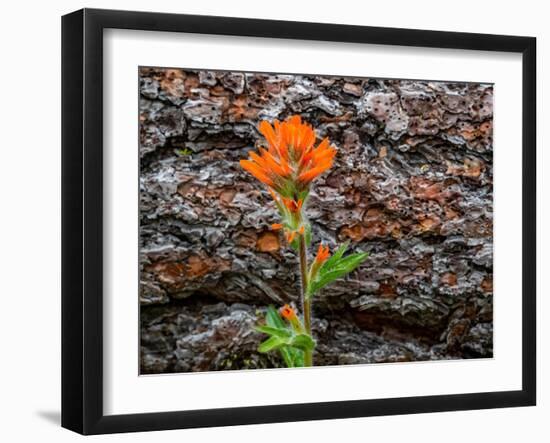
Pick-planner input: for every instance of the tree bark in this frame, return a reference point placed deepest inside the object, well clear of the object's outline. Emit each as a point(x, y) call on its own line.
point(412, 184)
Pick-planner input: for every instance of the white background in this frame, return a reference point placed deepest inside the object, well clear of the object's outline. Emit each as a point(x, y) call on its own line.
point(30, 223)
point(126, 393)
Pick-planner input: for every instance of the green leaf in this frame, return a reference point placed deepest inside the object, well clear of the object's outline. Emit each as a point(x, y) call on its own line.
point(350, 262)
point(277, 327)
point(270, 344)
point(294, 358)
point(338, 268)
point(297, 357)
point(278, 332)
point(303, 342)
point(300, 341)
point(273, 319)
point(336, 256)
point(287, 356)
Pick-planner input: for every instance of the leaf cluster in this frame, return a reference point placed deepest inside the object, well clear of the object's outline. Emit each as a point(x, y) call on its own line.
point(335, 267)
point(291, 343)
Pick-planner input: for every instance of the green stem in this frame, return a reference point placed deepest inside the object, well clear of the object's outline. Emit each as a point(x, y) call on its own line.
point(306, 302)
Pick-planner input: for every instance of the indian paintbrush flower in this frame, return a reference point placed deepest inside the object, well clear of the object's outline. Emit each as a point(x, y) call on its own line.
point(289, 314)
point(288, 166)
point(291, 161)
point(322, 255)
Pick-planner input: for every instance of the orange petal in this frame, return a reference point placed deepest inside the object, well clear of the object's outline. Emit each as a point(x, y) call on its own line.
point(284, 139)
point(286, 167)
point(319, 155)
point(291, 135)
point(322, 254)
point(308, 138)
point(273, 165)
point(295, 120)
point(298, 137)
point(256, 158)
point(306, 157)
point(256, 171)
point(287, 312)
point(323, 145)
point(327, 155)
point(267, 131)
point(276, 226)
point(307, 176)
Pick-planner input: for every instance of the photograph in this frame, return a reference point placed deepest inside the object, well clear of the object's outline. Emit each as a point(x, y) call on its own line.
point(290, 220)
point(247, 222)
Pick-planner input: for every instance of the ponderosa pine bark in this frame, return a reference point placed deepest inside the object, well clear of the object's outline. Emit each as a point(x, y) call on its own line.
point(411, 184)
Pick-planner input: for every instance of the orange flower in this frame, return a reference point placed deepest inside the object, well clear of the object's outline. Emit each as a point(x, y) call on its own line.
point(276, 226)
point(288, 313)
point(322, 254)
point(291, 161)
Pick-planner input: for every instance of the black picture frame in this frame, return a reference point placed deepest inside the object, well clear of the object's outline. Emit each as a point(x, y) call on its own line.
point(82, 218)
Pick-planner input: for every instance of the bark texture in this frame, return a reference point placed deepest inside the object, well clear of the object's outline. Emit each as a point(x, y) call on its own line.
point(412, 184)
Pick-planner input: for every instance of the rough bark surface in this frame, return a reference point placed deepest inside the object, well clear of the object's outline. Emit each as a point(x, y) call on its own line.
point(412, 184)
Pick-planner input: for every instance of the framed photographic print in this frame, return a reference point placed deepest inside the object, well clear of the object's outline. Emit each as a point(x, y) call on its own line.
point(270, 221)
